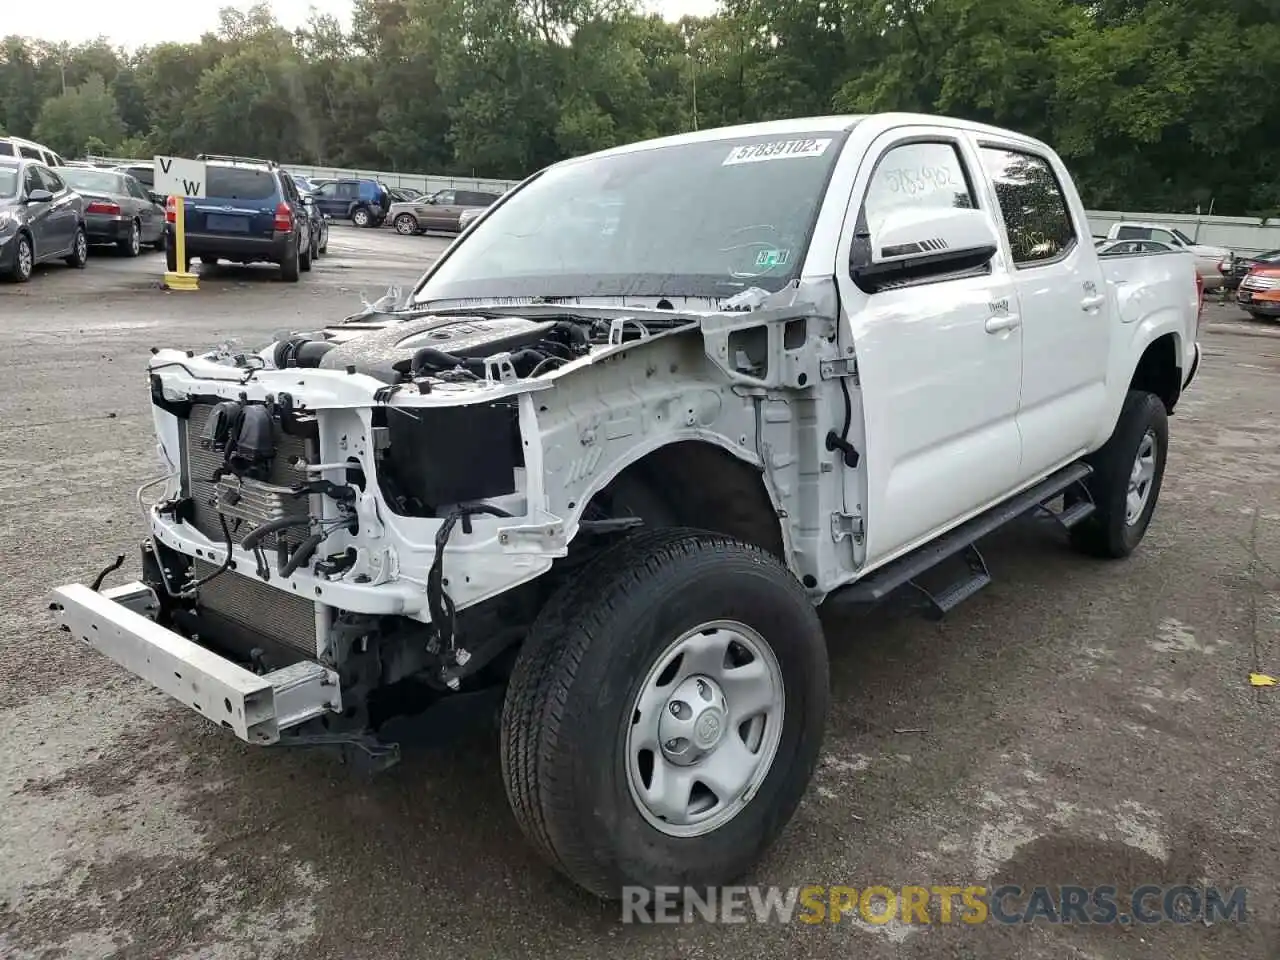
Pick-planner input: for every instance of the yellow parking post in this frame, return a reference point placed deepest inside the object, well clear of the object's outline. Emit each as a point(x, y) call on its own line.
point(180, 278)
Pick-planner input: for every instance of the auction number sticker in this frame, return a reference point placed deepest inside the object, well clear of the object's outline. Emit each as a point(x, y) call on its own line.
point(777, 150)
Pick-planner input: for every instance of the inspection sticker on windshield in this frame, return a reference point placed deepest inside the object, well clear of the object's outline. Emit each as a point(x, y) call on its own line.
point(777, 150)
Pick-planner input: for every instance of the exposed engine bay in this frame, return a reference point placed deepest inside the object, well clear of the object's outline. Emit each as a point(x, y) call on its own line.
point(389, 501)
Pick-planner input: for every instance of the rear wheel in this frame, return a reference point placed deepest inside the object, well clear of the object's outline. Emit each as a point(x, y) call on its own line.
point(304, 260)
point(1125, 483)
point(361, 217)
point(290, 268)
point(665, 715)
point(79, 254)
point(131, 245)
point(171, 260)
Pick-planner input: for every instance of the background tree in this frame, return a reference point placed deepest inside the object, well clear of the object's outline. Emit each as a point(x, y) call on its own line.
point(1156, 104)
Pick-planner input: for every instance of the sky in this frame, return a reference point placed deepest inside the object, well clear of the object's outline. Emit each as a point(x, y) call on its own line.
point(136, 23)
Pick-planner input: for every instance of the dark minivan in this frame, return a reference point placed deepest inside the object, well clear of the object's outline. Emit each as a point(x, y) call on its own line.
point(252, 212)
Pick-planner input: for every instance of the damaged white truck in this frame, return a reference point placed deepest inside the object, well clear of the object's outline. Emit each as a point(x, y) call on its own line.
point(607, 458)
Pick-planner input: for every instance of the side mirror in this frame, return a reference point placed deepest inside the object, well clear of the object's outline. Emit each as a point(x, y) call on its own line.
point(912, 243)
point(39, 196)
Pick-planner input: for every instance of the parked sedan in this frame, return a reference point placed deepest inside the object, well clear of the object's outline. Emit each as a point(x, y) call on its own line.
point(118, 209)
point(41, 219)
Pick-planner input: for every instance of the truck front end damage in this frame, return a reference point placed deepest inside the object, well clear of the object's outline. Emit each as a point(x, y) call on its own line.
point(361, 512)
point(295, 557)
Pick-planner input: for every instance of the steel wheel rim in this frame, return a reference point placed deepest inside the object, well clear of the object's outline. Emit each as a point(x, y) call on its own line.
point(1141, 479)
point(81, 252)
point(361, 218)
point(26, 261)
point(404, 225)
point(705, 728)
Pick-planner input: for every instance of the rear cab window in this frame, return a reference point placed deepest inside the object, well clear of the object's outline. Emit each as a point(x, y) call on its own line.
point(1032, 204)
point(240, 183)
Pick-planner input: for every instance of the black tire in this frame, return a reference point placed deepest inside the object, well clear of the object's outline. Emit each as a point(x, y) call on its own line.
point(209, 261)
point(304, 260)
point(569, 705)
point(131, 245)
point(79, 255)
point(24, 260)
point(290, 269)
point(361, 217)
point(406, 224)
point(1108, 533)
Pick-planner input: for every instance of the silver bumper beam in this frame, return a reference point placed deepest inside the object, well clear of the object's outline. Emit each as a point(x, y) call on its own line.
point(117, 623)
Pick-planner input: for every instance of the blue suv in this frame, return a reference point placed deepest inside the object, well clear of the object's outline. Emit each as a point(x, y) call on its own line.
point(252, 212)
point(363, 201)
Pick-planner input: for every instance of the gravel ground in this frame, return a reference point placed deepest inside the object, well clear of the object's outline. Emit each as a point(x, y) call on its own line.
point(1076, 723)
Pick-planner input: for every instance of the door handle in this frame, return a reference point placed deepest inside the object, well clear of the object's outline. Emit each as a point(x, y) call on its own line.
point(1009, 321)
point(1089, 303)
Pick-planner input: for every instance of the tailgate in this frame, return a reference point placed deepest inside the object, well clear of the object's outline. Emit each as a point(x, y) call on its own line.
point(239, 201)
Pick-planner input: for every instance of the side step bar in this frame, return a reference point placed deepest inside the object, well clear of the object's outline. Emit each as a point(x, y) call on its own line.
point(906, 570)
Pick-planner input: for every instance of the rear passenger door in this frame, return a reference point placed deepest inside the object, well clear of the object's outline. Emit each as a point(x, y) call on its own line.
point(149, 215)
point(939, 357)
point(68, 208)
point(1062, 299)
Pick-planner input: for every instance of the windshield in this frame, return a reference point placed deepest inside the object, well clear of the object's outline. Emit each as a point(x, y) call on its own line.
point(100, 180)
point(705, 219)
point(8, 181)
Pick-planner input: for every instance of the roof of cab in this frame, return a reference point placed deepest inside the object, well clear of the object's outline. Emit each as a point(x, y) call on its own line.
point(836, 123)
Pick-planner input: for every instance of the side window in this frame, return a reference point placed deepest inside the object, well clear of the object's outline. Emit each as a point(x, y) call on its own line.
point(349, 191)
point(917, 175)
point(52, 182)
point(447, 197)
point(1133, 233)
point(326, 190)
point(1032, 204)
point(31, 153)
point(136, 188)
point(1164, 236)
point(31, 180)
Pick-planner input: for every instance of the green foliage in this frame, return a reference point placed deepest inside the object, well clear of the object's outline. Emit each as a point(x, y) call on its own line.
point(70, 120)
point(1156, 104)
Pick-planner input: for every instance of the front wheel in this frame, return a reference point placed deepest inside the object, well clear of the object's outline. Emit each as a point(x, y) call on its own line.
point(1125, 483)
point(665, 715)
point(406, 224)
point(79, 254)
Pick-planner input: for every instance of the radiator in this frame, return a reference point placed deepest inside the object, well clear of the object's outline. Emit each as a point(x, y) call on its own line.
point(248, 602)
point(199, 466)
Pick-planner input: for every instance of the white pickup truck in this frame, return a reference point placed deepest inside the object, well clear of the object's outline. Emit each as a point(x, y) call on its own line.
point(651, 410)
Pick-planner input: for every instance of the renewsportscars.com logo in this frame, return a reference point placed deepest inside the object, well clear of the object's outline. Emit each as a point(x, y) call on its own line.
point(974, 904)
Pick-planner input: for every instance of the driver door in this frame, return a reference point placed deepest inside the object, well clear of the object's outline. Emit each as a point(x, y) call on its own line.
point(939, 357)
point(39, 216)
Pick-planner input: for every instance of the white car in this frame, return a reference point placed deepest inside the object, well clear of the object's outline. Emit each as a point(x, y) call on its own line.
point(609, 470)
point(1208, 257)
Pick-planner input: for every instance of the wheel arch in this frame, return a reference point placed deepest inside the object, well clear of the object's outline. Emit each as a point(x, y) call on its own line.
point(1159, 370)
point(697, 480)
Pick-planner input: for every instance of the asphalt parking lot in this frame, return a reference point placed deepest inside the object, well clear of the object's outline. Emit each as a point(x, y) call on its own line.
point(1076, 723)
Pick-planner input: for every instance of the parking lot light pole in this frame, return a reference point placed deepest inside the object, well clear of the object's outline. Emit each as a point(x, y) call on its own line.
point(179, 178)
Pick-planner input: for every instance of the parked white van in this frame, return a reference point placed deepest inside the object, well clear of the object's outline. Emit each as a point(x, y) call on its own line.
point(30, 150)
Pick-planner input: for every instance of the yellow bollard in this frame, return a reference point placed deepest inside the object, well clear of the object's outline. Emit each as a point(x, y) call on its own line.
point(180, 278)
